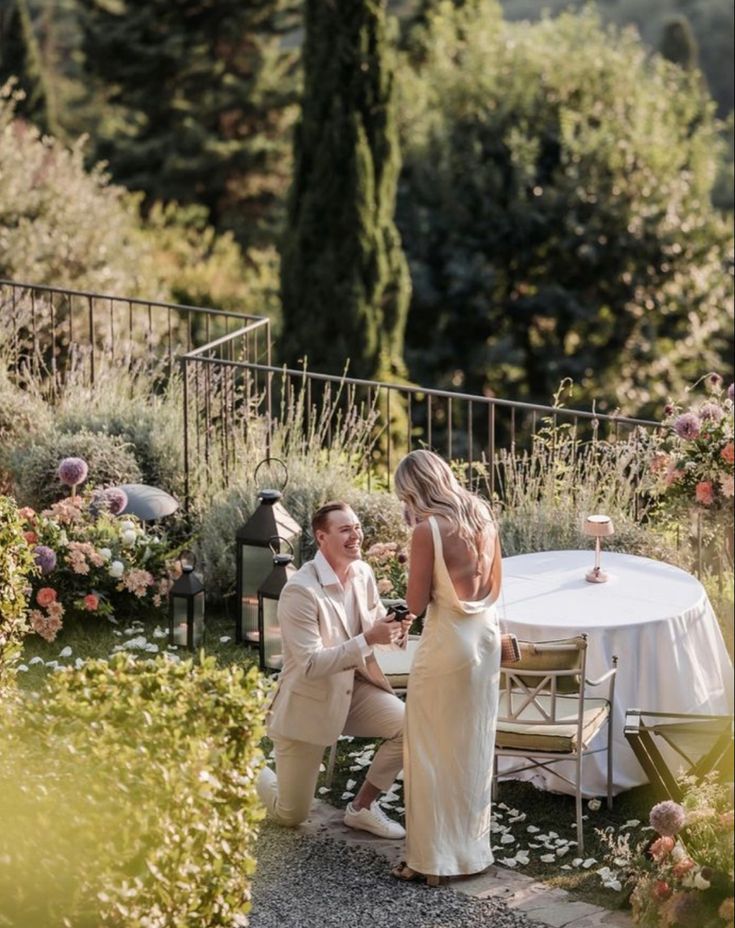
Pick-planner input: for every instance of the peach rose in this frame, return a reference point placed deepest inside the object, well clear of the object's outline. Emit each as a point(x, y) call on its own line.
point(30, 537)
point(661, 889)
point(704, 493)
point(45, 596)
point(683, 867)
point(728, 453)
point(662, 847)
point(91, 601)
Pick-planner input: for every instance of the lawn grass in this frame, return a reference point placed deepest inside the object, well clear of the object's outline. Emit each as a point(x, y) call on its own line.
point(92, 637)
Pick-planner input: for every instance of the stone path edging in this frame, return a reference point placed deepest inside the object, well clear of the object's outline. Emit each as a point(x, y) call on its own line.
point(539, 902)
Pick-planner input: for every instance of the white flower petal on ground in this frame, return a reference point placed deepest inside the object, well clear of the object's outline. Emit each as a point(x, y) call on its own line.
point(533, 829)
point(507, 839)
point(594, 805)
point(159, 632)
point(577, 862)
point(350, 784)
point(35, 660)
point(65, 652)
point(631, 823)
point(322, 768)
point(561, 851)
point(52, 664)
point(22, 668)
point(615, 885)
point(565, 867)
point(523, 857)
point(589, 862)
point(548, 858)
point(224, 639)
point(508, 862)
point(347, 795)
point(151, 648)
point(518, 818)
point(322, 790)
point(400, 809)
point(136, 644)
point(534, 845)
point(79, 663)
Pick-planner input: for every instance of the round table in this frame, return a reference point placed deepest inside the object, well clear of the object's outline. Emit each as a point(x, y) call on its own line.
point(655, 617)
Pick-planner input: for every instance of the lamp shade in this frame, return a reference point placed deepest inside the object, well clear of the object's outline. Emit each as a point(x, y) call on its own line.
point(598, 526)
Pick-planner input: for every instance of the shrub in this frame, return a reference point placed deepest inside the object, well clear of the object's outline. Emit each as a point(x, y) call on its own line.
point(16, 568)
point(127, 793)
point(21, 412)
point(33, 465)
point(60, 224)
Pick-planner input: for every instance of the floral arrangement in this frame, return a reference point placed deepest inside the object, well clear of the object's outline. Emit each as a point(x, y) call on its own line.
point(91, 559)
point(389, 563)
point(694, 464)
point(684, 875)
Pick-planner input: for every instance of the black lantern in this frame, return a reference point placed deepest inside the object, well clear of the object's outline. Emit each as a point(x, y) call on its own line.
point(186, 612)
point(269, 630)
point(255, 556)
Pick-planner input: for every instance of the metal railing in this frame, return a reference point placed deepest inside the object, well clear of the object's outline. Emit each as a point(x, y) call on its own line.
point(229, 381)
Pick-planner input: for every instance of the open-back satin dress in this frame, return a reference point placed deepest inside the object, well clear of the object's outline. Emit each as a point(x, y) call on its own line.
point(449, 740)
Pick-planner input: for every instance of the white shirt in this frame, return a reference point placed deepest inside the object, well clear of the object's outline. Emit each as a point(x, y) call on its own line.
point(344, 594)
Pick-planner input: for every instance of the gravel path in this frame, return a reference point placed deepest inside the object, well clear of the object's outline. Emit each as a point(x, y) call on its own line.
point(304, 881)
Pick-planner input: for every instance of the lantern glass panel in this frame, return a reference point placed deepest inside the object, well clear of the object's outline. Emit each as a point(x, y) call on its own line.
point(272, 643)
point(198, 629)
point(179, 621)
point(256, 564)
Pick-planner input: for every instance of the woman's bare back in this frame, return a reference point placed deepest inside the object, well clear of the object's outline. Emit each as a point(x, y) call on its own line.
point(472, 578)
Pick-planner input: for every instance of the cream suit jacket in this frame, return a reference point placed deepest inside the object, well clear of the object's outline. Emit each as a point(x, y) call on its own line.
point(320, 658)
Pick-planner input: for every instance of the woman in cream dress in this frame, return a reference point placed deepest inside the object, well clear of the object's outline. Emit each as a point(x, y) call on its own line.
point(452, 700)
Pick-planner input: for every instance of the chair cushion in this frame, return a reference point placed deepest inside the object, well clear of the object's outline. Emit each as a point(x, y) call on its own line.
point(534, 659)
point(555, 737)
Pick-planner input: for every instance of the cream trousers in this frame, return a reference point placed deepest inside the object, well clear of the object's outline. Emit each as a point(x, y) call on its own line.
point(374, 713)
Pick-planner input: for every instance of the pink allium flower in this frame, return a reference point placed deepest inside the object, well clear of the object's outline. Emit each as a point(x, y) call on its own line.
point(667, 818)
point(728, 453)
point(45, 596)
point(687, 426)
point(727, 485)
point(662, 847)
point(73, 471)
point(91, 602)
point(710, 412)
point(45, 558)
point(704, 492)
point(117, 500)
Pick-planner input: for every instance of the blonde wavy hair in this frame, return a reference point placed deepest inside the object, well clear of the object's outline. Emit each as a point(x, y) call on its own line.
point(426, 485)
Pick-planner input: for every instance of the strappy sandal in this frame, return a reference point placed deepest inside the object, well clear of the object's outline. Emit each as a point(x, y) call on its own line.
point(408, 875)
point(405, 873)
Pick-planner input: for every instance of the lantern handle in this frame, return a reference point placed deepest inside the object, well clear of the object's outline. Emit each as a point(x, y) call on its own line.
point(278, 539)
point(272, 461)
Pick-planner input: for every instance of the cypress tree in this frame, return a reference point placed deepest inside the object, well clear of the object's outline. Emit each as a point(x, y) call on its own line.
point(678, 43)
point(20, 57)
point(345, 284)
point(199, 96)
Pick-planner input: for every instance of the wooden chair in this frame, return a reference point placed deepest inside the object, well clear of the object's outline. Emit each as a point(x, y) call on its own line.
point(545, 715)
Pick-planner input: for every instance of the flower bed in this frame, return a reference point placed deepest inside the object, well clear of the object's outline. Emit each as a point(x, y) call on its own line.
point(90, 560)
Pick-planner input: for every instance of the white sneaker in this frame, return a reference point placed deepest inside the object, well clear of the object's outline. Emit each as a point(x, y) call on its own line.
point(266, 787)
point(374, 820)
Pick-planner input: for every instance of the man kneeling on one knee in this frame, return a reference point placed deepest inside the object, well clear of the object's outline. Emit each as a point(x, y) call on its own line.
point(331, 618)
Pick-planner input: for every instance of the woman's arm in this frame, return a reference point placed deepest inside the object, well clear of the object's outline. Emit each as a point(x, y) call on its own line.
point(496, 571)
point(420, 569)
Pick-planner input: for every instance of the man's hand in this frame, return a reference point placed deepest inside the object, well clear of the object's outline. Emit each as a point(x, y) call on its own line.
point(385, 631)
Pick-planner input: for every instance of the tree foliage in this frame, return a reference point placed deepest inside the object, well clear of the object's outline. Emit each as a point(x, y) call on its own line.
point(20, 57)
point(345, 283)
point(556, 210)
point(199, 98)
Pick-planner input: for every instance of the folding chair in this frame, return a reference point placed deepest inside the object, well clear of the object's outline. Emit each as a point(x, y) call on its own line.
point(703, 742)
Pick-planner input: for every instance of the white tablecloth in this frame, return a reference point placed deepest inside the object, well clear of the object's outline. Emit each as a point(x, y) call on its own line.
point(656, 618)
